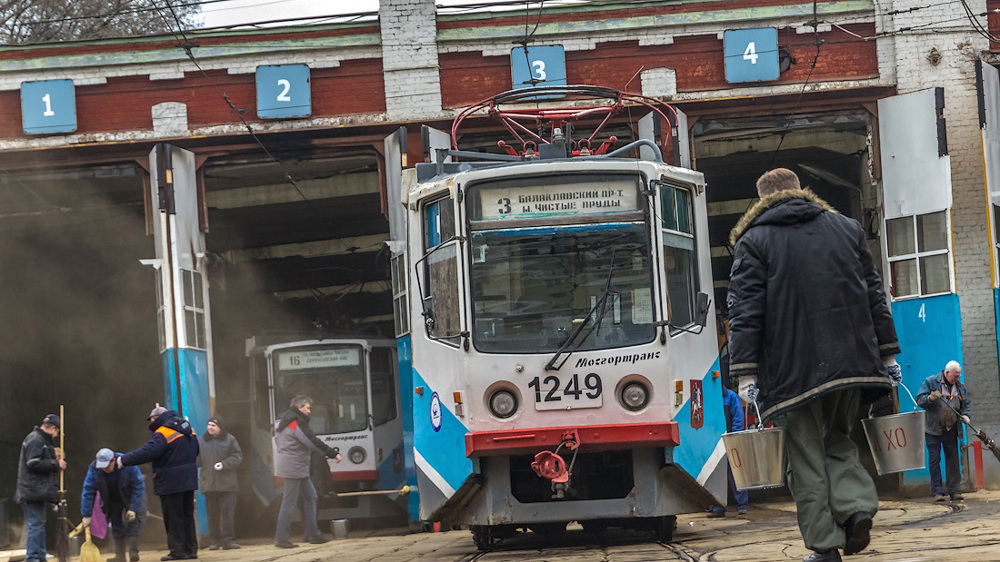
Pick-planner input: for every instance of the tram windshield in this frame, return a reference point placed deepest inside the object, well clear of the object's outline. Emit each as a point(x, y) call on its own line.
point(562, 252)
point(334, 377)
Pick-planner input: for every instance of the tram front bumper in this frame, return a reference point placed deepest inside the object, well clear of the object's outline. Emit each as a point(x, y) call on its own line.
point(590, 438)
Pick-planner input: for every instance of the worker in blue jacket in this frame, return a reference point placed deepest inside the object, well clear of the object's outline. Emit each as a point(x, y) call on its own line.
point(733, 406)
point(123, 501)
point(173, 452)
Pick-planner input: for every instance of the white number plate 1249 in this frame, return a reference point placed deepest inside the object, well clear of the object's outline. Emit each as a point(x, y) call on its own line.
point(575, 391)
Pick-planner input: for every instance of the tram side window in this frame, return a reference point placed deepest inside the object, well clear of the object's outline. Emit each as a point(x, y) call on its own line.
point(440, 283)
point(383, 386)
point(400, 297)
point(262, 408)
point(680, 265)
point(919, 260)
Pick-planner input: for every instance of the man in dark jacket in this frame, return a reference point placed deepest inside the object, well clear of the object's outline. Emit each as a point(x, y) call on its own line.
point(38, 483)
point(811, 329)
point(173, 452)
point(123, 499)
point(943, 427)
point(295, 443)
point(220, 455)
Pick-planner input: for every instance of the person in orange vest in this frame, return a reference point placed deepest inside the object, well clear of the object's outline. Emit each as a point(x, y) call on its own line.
point(173, 452)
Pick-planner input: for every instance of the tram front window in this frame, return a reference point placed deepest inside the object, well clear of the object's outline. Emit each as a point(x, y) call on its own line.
point(335, 380)
point(533, 287)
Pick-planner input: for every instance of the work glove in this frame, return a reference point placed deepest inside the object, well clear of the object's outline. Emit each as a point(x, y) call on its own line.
point(129, 516)
point(218, 466)
point(891, 367)
point(119, 462)
point(934, 395)
point(748, 388)
point(86, 521)
point(966, 420)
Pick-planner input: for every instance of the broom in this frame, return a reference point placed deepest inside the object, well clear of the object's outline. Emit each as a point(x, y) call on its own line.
point(63, 525)
point(88, 550)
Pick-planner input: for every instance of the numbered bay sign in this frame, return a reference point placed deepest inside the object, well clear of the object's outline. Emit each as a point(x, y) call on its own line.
point(48, 107)
point(751, 55)
point(538, 66)
point(283, 91)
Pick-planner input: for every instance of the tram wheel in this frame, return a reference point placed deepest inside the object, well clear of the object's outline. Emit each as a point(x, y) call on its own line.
point(482, 535)
point(663, 529)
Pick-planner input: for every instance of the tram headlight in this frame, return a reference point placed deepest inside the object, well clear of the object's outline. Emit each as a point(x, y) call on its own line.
point(503, 403)
point(634, 396)
point(357, 455)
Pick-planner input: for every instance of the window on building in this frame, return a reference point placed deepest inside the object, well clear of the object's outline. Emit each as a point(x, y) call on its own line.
point(680, 266)
point(194, 309)
point(919, 258)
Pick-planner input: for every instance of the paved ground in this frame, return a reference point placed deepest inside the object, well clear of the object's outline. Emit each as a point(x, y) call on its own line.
point(905, 530)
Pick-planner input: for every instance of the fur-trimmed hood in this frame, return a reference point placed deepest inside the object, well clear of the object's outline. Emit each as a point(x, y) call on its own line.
point(770, 201)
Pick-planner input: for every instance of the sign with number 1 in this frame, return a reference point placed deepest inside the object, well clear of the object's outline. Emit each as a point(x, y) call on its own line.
point(283, 91)
point(751, 55)
point(48, 107)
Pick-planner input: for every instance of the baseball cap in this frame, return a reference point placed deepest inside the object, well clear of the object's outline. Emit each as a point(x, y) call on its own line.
point(104, 457)
point(157, 412)
point(52, 419)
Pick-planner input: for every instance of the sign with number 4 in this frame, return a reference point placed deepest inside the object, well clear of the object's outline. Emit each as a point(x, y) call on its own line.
point(283, 91)
point(751, 55)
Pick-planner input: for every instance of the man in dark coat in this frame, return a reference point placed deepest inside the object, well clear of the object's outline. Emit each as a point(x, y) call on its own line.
point(220, 455)
point(123, 501)
point(38, 483)
point(295, 443)
point(811, 329)
point(173, 452)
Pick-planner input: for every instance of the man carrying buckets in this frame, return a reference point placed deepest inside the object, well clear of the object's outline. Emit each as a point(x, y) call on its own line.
point(811, 336)
point(942, 426)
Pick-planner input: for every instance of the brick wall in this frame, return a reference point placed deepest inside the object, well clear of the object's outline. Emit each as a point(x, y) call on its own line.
point(410, 59)
point(959, 47)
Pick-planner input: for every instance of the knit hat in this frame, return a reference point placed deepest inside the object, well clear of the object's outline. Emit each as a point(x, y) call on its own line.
point(104, 458)
point(216, 419)
point(51, 419)
point(157, 412)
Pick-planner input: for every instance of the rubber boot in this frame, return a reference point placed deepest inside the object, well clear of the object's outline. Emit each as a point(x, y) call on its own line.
point(133, 548)
point(119, 550)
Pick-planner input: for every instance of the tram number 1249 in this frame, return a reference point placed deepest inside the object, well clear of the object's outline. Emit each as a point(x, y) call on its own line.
point(553, 393)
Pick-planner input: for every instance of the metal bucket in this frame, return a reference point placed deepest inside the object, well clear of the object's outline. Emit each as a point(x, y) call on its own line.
point(339, 528)
point(757, 457)
point(896, 441)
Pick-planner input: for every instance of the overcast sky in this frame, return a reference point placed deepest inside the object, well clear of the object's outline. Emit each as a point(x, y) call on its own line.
point(234, 12)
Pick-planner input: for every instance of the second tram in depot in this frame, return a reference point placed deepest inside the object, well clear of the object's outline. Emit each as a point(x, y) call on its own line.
point(564, 350)
point(354, 383)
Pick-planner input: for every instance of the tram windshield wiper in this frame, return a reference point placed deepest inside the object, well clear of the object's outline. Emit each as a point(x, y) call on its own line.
point(599, 309)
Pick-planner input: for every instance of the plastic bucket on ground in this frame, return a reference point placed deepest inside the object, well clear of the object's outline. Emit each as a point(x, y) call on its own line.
point(896, 441)
point(757, 457)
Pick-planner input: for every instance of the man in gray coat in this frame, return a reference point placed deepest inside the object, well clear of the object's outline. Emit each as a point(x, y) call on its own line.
point(220, 455)
point(295, 443)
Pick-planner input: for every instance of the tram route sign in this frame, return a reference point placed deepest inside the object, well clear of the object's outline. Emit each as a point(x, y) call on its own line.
point(751, 55)
point(562, 200)
point(538, 66)
point(48, 107)
point(283, 91)
point(318, 358)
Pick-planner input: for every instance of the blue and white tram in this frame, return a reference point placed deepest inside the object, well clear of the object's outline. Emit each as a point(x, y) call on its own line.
point(564, 359)
point(354, 383)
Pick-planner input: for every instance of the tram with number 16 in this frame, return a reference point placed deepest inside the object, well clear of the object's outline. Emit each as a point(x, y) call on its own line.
point(564, 347)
